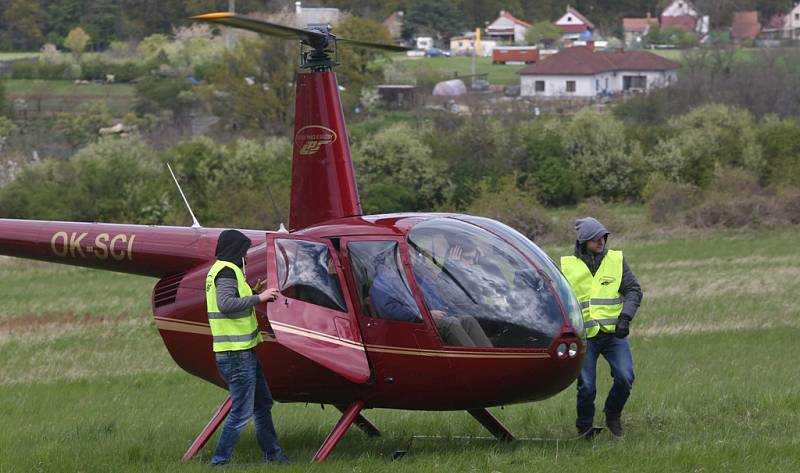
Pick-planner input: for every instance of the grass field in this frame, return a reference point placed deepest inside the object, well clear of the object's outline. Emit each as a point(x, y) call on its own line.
point(65, 96)
point(86, 384)
point(16, 56)
point(448, 67)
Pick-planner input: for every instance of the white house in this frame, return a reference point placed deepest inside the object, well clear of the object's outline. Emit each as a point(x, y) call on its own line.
point(791, 25)
point(507, 28)
point(575, 26)
point(680, 14)
point(582, 72)
point(306, 16)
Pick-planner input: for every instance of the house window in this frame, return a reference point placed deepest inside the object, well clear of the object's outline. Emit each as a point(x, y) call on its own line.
point(634, 82)
point(539, 86)
point(597, 84)
point(570, 86)
point(797, 16)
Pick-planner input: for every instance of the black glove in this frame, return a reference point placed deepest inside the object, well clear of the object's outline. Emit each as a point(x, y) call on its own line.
point(623, 326)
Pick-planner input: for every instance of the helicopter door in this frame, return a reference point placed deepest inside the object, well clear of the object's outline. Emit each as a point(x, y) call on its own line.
point(312, 316)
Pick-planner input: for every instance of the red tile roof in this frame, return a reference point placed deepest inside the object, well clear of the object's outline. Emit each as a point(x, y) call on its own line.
point(638, 25)
point(745, 25)
point(516, 20)
point(685, 22)
point(584, 61)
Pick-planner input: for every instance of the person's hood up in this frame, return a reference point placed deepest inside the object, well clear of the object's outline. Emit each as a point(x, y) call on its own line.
point(589, 229)
point(232, 245)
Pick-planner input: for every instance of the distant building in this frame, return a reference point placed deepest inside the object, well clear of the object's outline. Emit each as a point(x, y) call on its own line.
point(745, 26)
point(463, 45)
point(394, 23)
point(791, 26)
point(582, 72)
point(423, 42)
point(637, 28)
point(507, 28)
point(681, 15)
point(306, 16)
point(574, 26)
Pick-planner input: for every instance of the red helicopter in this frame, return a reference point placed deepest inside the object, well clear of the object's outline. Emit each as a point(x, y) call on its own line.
point(419, 311)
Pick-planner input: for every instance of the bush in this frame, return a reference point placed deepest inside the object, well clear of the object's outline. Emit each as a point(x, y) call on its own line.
point(606, 164)
point(397, 161)
point(709, 137)
point(503, 201)
point(735, 200)
point(779, 140)
point(665, 201)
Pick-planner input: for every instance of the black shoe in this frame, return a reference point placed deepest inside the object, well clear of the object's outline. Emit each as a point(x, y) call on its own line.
point(588, 431)
point(279, 459)
point(614, 424)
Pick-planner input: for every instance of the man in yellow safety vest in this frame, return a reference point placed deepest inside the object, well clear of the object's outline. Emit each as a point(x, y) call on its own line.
point(234, 329)
point(609, 295)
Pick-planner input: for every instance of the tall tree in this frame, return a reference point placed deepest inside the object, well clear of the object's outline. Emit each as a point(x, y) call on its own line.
point(432, 18)
point(23, 20)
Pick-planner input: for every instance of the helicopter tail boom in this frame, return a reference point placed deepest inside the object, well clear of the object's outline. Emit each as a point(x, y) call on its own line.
point(135, 249)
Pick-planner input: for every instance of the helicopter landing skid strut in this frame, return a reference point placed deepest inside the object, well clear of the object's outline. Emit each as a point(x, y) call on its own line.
point(208, 430)
point(350, 414)
point(490, 422)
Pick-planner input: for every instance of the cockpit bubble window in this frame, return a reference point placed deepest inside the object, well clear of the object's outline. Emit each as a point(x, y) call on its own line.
point(381, 283)
point(306, 272)
point(466, 272)
point(544, 262)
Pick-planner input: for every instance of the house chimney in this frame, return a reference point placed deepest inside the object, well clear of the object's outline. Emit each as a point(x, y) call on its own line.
point(298, 9)
point(620, 50)
point(590, 45)
point(648, 14)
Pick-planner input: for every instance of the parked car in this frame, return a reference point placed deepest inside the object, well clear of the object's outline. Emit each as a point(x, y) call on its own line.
point(480, 85)
point(436, 52)
point(511, 91)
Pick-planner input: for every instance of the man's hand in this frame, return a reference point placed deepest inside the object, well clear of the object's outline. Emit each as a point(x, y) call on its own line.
point(437, 314)
point(455, 253)
point(623, 326)
point(268, 295)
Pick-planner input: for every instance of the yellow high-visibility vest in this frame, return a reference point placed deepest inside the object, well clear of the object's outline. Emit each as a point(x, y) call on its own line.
point(231, 332)
point(599, 296)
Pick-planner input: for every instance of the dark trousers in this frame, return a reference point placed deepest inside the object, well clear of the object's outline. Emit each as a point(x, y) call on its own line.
point(618, 354)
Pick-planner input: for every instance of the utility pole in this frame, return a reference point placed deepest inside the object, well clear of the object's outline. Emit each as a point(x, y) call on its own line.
point(229, 31)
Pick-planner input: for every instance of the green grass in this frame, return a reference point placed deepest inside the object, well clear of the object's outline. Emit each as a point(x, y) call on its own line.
point(448, 67)
point(86, 384)
point(15, 56)
point(65, 96)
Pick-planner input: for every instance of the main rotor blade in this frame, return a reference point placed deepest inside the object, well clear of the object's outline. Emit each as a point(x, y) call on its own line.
point(287, 32)
point(365, 44)
point(261, 26)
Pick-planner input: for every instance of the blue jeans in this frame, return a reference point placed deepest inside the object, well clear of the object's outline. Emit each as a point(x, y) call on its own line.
point(250, 394)
point(618, 354)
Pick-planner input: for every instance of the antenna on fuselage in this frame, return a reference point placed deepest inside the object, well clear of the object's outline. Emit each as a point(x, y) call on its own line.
point(195, 223)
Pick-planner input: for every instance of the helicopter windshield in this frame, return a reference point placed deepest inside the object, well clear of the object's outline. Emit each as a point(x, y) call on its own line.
point(470, 275)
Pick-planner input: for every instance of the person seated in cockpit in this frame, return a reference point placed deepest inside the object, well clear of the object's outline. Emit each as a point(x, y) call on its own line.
point(455, 327)
point(391, 297)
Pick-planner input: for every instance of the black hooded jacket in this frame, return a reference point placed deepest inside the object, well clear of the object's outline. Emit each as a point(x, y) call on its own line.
point(232, 246)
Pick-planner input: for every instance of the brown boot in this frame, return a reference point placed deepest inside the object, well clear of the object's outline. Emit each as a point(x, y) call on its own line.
point(614, 424)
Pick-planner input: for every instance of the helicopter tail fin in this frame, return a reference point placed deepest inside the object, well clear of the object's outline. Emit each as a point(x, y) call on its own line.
point(323, 179)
